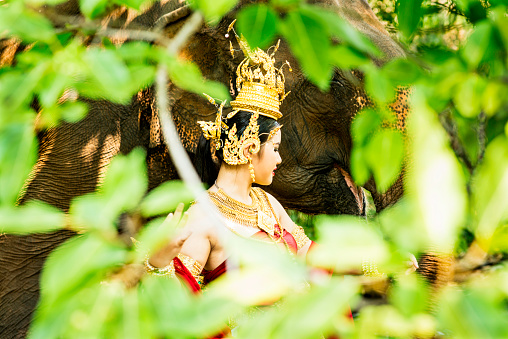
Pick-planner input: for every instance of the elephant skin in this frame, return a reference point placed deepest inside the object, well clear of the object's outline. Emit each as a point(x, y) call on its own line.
point(316, 142)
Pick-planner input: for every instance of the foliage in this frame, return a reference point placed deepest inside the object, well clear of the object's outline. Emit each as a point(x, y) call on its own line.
point(456, 175)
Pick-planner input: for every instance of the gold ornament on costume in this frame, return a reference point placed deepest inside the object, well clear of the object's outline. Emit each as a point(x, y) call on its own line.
point(259, 83)
point(212, 130)
point(233, 148)
point(260, 87)
point(273, 132)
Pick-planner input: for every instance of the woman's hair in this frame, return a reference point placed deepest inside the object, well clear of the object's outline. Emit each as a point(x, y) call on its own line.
point(206, 166)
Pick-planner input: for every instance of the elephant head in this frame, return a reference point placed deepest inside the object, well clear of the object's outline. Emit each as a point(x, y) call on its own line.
point(313, 177)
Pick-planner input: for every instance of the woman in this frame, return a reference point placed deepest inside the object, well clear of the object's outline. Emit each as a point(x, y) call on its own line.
point(245, 146)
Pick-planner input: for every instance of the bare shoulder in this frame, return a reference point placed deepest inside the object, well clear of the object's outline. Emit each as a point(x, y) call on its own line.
point(284, 219)
point(198, 221)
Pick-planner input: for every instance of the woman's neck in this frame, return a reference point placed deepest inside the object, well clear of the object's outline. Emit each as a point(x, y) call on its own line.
point(236, 182)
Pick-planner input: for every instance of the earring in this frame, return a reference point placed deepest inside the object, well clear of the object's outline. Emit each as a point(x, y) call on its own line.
point(251, 170)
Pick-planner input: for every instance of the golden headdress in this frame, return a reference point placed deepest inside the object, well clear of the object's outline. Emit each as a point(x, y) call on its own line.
point(260, 87)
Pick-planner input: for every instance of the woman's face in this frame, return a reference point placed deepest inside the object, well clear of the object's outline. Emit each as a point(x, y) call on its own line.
point(266, 160)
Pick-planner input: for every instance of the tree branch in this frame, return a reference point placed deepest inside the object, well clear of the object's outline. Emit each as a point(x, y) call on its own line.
point(176, 150)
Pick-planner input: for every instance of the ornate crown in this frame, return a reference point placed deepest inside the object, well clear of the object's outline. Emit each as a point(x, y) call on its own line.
point(259, 83)
point(260, 87)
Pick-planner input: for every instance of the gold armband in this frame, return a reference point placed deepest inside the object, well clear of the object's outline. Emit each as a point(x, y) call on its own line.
point(300, 237)
point(168, 270)
point(192, 265)
point(369, 268)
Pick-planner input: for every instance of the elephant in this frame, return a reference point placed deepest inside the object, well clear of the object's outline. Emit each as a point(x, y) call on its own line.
point(314, 176)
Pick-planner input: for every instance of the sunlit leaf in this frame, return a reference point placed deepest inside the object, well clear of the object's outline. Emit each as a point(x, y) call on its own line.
point(213, 10)
point(482, 314)
point(378, 86)
point(346, 57)
point(345, 242)
point(384, 155)
point(93, 8)
point(257, 23)
point(111, 74)
point(359, 166)
point(80, 261)
point(164, 198)
point(493, 97)
point(478, 44)
point(126, 181)
point(409, 13)
point(304, 33)
point(34, 217)
point(26, 24)
point(490, 183)
point(402, 72)
point(18, 153)
point(337, 27)
point(466, 99)
point(187, 75)
point(435, 177)
point(410, 295)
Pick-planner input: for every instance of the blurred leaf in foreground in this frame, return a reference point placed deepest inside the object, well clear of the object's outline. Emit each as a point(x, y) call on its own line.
point(34, 217)
point(344, 242)
point(434, 179)
point(18, 153)
point(490, 185)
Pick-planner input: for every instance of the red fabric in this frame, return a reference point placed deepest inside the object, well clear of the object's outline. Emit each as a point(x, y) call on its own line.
point(183, 273)
point(210, 276)
point(288, 238)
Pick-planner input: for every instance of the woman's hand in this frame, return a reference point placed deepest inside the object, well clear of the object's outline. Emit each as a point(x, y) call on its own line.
point(164, 256)
point(412, 264)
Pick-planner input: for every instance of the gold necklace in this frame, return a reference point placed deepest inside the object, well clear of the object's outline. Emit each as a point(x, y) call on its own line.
point(243, 214)
point(258, 215)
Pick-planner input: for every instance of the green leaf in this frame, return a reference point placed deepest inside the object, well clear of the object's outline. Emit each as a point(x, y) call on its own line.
point(384, 155)
point(467, 98)
point(111, 74)
point(435, 176)
point(359, 166)
point(365, 123)
point(51, 88)
point(285, 3)
point(347, 58)
point(489, 184)
point(126, 181)
point(34, 217)
point(187, 76)
point(402, 72)
point(74, 111)
point(18, 153)
point(26, 24)
point(45, 2)
point(136, 4)
point(409, 13)
point(305, 36)
point(410, 295)
point(337, 27)
point(478, 44)
point(213, 10)
point(378, 86)
point(165, 198)
point(494, 96)
point(93, 8)
point(257, 23)
point(344, 242)
point(79, 262)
